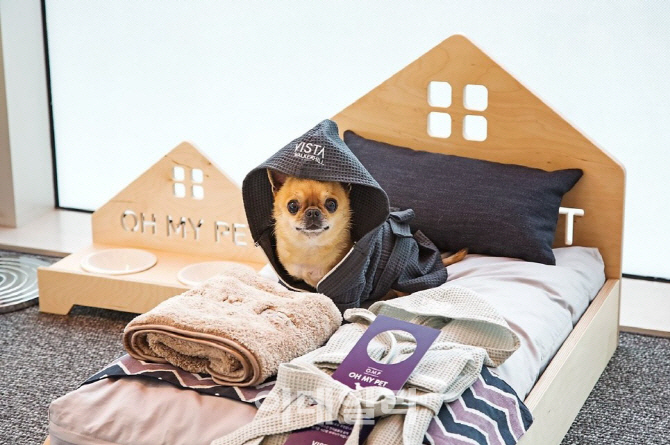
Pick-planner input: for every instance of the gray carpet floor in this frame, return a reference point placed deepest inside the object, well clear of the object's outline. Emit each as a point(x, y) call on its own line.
point(45, 356)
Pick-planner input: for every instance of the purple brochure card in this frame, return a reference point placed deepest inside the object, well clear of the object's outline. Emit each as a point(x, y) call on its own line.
point(358, 368)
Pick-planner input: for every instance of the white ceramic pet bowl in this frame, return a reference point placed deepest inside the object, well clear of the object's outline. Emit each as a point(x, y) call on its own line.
point(118, 261)
point(195, 274)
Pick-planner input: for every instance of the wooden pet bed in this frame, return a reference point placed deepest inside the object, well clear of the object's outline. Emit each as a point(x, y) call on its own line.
point(520, 129)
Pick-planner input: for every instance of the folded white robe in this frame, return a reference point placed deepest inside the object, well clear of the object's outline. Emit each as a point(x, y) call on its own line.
point(472, 335)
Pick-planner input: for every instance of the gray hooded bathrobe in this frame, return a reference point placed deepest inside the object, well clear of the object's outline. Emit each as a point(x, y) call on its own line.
point(385, 255)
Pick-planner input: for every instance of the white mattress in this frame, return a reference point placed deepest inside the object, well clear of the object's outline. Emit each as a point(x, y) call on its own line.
point(541, 304)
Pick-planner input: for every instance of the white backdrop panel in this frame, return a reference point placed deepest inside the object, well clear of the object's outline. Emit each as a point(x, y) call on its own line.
point(130, 80)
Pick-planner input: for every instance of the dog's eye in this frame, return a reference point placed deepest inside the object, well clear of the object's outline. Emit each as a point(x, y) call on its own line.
point(293, 206)
point(331, 205)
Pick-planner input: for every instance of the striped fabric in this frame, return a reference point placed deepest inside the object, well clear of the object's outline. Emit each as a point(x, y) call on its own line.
point(488, 413)
point(126, 366)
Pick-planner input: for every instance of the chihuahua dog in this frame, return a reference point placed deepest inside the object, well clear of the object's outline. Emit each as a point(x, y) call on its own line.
point(312, 226)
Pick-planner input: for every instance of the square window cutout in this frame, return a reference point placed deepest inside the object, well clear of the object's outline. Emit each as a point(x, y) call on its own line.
point(476, 97)
point(439, 124)
point(179, 190)
point(178, 173)
point(197, 192)
point(475, 128)
point(197, 175)
point(439, 94)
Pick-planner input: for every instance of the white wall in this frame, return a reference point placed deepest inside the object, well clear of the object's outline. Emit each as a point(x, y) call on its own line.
point(26, 181)
point(132, 79)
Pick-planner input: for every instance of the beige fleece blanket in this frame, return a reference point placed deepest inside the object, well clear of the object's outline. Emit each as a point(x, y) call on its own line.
point(238, 327)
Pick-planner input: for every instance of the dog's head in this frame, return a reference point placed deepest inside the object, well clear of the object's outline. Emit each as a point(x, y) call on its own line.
point(305, 209)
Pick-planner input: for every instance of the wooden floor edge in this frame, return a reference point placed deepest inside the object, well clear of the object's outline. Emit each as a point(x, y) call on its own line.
point(644, 331)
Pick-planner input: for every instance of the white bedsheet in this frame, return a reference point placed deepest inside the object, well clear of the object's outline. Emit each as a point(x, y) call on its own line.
point(540, 303)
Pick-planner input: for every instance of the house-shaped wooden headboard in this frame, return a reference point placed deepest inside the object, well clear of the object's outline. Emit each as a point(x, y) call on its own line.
point(184, 204)
point(409, 110)
point(183, 210)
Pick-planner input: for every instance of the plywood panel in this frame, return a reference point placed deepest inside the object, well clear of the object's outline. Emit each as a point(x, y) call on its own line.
point(521, 130)
point(557, 397)
point(183, 209)
point(151, 213)
point(65, 283)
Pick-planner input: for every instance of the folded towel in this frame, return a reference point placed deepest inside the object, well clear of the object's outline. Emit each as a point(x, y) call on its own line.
point(238, 327)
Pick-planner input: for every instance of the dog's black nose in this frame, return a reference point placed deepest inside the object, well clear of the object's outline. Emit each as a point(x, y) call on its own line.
point(312, 213)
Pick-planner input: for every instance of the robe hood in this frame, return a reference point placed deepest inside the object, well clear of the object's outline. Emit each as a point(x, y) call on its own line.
point(385, 254)
point(319, 154)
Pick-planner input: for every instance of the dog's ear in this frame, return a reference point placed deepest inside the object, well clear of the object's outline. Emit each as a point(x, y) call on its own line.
point(276, 179)
point(347, 187)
